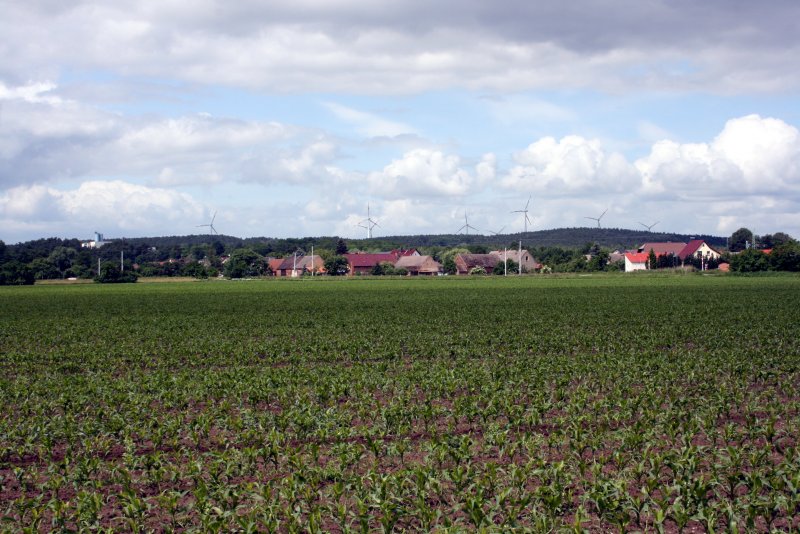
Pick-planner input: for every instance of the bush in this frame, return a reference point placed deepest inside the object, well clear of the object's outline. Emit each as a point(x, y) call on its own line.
point(477, 270)
point(110, 274)
point(750, 261)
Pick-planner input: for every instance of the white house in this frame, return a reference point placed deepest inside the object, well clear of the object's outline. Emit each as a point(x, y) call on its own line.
point(635, 261)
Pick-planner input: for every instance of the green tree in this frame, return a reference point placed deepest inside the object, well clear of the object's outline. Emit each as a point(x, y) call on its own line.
point(786, 257)
point(775, 240)
point(341, 247)
point(501, 268)
point(110, 274)
point(62, 258)
point(750, 261)
point(244, 263)
point(43, 269)
point(336, 265)
point(652, 261)
point(739, 239)
point(598, 262)
point(14, 273)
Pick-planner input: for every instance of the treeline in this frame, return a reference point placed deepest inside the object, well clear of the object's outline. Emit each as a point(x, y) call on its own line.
point(204, 256)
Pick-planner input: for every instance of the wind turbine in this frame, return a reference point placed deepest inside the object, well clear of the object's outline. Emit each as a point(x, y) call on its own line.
point(210, 225)
point(500, 231)
point(597, 218)
point(649, 226)
point(527, 219)
point(466, 226)
point(369, 224)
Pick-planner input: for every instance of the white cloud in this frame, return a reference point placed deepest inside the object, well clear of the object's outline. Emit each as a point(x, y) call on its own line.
point(412, 46)
point(426, 172)
point(116, 207)
point(751, 155)
point(369, 124)
point(570, 165)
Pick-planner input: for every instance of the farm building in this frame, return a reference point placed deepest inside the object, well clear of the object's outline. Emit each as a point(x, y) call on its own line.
point(525, 259)
point(311, 263)
point(635, 261)
point(466, 262)
point(419, 265)
point(364, 263)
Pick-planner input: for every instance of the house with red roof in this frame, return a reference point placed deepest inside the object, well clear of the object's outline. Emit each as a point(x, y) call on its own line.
point(636, 261)
point(699, 249)
point(361, 263)
point(663, 249)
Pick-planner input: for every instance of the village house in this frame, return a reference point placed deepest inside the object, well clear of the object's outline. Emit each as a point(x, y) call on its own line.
point(525, 259)
point(417, 265)
point(635, 261)
point(311, 264)
point(361, 263)
point(663, 249)
point(699, 249)
point(466, 262)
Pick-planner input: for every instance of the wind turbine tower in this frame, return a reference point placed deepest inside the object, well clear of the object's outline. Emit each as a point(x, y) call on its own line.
point(466, 227)
point(210, 225)
point(369, 223)
point(526, 219)
point(598, 218)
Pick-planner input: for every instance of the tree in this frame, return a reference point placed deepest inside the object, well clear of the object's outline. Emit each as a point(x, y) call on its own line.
point(786, 257)
point(739, 239)
point(501, 268)
point(775, 240)
point(244, 263)
point(336, 265)
point(341, 247)
point(750, 261)
point(110, 274)
point(62, 258)
point(652, 261)
point(43, 269)
point(14, 273)
point(598, 262)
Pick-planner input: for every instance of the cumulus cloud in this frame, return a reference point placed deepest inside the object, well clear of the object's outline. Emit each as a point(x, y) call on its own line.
point(114, 206)
point(426, 172)
point(751, 155)
point(571, 164)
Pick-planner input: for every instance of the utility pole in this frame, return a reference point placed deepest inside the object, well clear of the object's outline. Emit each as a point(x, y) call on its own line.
point(121, 261)
point(505, 261)
point(519, 258)
point(312, 261)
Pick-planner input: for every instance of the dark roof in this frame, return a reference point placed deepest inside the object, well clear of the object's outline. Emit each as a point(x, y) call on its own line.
point(487, 261)
point(691, 248)
point(369, 260)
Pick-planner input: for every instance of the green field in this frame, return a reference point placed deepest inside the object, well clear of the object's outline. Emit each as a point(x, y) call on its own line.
point(549, 404)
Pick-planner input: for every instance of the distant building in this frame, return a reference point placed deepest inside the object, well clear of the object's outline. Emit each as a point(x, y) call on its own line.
point(364, 263)
point(466, 262)
point(97, 242)
point(699, 249)
point(525, 258)
point(419, 265)
point(636, 261)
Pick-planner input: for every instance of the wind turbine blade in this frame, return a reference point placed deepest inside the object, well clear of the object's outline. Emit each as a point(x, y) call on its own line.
point(528, 203)
point(601, 216)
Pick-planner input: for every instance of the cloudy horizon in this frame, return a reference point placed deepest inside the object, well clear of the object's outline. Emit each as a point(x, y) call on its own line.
point(287, 121)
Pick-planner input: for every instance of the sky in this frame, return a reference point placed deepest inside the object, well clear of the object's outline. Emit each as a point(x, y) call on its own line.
point(289, 119)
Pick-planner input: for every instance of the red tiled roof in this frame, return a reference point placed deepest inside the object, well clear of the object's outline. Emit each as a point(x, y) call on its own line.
point(663, 249)
point(369, 260)
point(690, 248)
point(637, 257)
